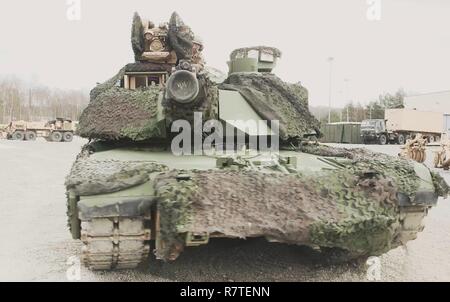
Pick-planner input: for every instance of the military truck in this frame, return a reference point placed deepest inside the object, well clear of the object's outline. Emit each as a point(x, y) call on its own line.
point(58, 130)
point(400, 125)
point(148, 183)
point(3, 132)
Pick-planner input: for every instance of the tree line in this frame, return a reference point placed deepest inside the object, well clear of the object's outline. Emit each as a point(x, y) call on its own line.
point(356, 112)
point(21, 101)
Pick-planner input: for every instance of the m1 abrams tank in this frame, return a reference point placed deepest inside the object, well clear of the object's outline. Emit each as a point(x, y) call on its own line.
point(160, 173)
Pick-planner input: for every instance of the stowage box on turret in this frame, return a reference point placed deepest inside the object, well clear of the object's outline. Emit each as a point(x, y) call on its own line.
point(176, 159)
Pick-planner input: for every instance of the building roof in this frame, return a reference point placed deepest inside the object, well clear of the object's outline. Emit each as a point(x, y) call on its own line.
point(429, 93)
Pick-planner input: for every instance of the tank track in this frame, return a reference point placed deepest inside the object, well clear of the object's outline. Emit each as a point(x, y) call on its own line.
point(124, 242)
point(115, 243)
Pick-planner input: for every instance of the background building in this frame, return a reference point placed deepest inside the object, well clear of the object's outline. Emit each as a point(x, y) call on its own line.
point(434, 101)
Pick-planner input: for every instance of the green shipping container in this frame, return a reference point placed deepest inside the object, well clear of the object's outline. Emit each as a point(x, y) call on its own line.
point(342, 133)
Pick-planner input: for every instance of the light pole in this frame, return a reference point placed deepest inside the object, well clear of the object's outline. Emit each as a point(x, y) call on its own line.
point(347, 95)
point(330, 60)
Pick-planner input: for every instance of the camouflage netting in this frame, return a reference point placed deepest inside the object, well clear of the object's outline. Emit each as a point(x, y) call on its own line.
point(215, 75)
point(103, 87)
point(357, 216)
point(238, 204)
point(301, 92)
point(353, 208)
point(116, 113)
point(366, 194)
point(137, 36)
point(322, 150)
point(90, 177)
point(180, 37)
point(399, 169)
point(441, 186)
point(274, 99)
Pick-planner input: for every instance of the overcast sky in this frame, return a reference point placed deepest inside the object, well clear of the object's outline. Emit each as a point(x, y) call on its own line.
point(408, 47)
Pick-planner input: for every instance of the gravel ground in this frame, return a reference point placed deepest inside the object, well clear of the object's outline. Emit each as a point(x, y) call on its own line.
point(36, 245)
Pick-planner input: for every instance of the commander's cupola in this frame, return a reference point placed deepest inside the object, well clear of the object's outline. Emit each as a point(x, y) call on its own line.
point(254, 59)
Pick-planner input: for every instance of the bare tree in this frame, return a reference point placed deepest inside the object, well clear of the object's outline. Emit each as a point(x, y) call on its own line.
point(38, 103)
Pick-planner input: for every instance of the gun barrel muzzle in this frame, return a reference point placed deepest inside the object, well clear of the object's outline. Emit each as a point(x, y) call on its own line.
point(182, 87)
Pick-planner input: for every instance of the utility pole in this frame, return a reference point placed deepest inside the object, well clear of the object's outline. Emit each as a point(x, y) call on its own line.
point(30, 118)
point(347, 96)
point(330, 60)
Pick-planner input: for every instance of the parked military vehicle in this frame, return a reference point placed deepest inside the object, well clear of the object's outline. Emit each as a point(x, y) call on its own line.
point(132, 193)
point(59, 130)
point(401, 125)
point(3, 132)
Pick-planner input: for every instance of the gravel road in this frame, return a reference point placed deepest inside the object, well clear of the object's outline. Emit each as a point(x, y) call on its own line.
point(36, 245)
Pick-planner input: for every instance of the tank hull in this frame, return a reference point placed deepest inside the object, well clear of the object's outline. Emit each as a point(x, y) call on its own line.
point(146, 200)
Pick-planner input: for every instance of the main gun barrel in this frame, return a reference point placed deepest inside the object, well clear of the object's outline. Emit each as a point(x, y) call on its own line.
point(182, 87)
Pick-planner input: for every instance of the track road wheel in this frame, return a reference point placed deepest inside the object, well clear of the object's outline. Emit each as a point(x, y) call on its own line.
point(56, 136)
point(30, 136)
point(18, 136)
point(67, 136)
point(115, 243)
point(383, 139)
